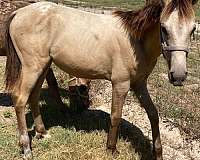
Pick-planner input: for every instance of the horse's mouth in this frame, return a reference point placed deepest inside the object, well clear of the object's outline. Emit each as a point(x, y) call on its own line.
point(178, 82)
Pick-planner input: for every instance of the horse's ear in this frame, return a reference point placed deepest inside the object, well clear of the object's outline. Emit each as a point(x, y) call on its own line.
point(194, 1)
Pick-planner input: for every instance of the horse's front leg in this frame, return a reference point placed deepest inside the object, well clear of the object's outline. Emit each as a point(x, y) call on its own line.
point(119, 92)
point(146, 102)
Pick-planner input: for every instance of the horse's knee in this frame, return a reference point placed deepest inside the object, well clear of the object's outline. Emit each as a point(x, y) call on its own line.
point(19, 106)
point(19, 99)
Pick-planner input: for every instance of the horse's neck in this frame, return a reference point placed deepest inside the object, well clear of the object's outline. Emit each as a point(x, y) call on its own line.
point(147, 50)
point(150, 44)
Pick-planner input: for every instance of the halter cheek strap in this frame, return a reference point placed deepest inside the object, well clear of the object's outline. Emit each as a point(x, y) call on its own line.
point(167, 48)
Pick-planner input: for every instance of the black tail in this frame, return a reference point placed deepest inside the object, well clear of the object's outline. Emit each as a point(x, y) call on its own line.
point(13, 64)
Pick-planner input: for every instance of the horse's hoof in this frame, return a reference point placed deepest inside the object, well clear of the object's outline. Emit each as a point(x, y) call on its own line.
point(27, 155)
point(42, 135)
point(113, 151)
point(157, 157)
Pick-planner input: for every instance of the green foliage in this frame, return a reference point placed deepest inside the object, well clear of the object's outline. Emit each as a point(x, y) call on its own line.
point(106, 3)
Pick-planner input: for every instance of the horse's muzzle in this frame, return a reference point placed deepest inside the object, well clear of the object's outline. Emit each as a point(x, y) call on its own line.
point(177, 80)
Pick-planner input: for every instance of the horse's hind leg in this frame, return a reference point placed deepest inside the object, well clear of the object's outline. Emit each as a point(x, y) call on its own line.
point(23, 88)
point(33, 102)
point(146, 102)
point(54, 90)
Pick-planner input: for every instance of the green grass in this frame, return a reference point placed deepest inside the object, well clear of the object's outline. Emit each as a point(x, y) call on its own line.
point(126, 4)
point(75, 136)
point(65, 143)
point(106, 3)
point(8, 149)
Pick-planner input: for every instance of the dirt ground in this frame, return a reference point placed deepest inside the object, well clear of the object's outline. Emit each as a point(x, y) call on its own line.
point(175, 145)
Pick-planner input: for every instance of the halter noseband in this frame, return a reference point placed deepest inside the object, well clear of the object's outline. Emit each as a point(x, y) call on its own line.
point(175, 48)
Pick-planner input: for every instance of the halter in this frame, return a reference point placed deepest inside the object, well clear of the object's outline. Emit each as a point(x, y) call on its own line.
point(166, 48)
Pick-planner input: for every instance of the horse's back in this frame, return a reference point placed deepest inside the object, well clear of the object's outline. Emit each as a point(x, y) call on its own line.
point(59, 21)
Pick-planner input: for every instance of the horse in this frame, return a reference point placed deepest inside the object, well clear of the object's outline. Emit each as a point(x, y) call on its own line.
point(122, 48)
point(78, 88)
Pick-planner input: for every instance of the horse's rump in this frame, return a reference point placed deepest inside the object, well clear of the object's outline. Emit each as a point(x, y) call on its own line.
point(6, 8)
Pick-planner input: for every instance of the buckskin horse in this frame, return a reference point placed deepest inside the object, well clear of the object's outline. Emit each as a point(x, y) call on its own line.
point(122, 48)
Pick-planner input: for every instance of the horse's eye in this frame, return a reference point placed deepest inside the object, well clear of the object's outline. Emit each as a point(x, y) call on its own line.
point(164, 30)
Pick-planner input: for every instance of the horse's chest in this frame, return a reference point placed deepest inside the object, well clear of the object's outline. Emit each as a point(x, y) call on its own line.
point(143, 70)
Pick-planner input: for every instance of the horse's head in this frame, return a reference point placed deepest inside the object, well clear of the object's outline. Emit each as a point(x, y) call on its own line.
point(177, 25)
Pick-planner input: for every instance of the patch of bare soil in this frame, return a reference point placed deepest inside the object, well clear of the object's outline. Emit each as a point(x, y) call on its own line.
point(176, 146)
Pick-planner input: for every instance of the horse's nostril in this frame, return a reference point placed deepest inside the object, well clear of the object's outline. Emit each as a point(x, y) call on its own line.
point(177, 79)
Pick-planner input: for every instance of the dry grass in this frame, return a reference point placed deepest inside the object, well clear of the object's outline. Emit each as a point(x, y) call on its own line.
point(73, 137)
point(83, 136)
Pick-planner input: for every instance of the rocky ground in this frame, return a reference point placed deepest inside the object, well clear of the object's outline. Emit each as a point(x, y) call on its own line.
point(176, 146)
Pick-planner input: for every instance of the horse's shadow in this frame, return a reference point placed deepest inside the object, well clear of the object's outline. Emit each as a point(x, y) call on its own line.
point(5, 100)
point(91, 120)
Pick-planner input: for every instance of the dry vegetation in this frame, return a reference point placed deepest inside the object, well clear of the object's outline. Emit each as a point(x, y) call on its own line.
point(83, 136)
